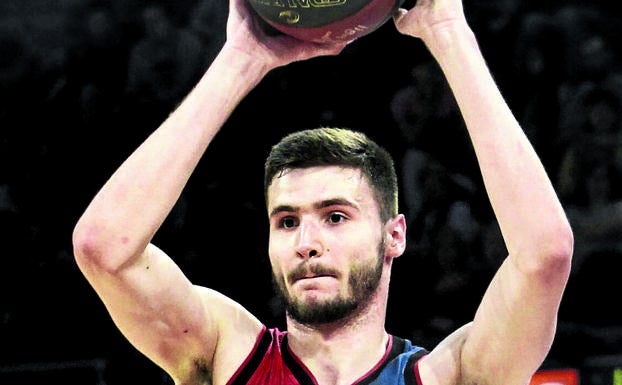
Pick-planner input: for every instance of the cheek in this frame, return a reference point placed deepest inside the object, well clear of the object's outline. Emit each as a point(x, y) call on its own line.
point(277, 252)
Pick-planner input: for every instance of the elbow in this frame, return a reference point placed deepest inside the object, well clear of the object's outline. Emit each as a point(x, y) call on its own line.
point(564, 244)
point(86, 249)
point(556, 256)
point(90, 249)
point(548, 254)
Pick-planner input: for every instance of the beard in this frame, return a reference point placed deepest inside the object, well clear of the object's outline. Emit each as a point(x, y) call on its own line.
point(363, 282)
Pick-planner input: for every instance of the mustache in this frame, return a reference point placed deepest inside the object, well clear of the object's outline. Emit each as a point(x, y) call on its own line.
point(306, 270)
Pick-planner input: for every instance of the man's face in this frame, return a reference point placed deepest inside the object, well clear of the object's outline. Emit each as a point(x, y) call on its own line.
point(326, 242)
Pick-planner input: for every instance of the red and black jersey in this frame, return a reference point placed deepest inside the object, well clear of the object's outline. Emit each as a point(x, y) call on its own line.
point(272, 363)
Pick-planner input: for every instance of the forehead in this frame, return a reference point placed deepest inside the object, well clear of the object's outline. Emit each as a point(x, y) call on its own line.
point(303, 186)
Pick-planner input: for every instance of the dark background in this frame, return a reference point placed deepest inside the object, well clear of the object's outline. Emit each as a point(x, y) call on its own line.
point(84, 82)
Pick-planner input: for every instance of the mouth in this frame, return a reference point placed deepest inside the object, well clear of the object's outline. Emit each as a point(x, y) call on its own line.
point(305, 272)
point(313, 276)
point(314, 282)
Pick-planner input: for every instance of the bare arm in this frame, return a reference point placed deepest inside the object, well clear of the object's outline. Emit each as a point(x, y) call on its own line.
point(515, 323)
point(179, 326)
point(149, 298)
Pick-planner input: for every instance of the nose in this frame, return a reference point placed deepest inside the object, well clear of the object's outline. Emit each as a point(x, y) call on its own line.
point(308, 244)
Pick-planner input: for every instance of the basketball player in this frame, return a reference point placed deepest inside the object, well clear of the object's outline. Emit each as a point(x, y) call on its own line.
point(334, 233)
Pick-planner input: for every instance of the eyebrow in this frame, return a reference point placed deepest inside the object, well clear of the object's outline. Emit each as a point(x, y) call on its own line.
point(318, 205)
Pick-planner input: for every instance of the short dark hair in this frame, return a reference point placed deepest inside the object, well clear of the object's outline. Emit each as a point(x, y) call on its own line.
point(328, 146)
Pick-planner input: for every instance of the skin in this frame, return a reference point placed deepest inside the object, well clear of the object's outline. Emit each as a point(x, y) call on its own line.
point(326, 217)
point(199, 336)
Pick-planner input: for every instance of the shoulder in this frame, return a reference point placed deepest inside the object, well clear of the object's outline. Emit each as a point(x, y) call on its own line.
point(233, 330)
point(399, 364)
point(442, 365)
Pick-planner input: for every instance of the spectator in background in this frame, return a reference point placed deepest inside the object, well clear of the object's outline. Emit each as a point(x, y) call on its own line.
point(98, 66)
point(590, 44)
point(165, 62)
point(207, 20)
point(539, 57)
point(17, 57)
point(589, 177)
point(496, 25)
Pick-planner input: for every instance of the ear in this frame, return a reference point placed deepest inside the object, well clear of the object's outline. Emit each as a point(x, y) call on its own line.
point(395, 230)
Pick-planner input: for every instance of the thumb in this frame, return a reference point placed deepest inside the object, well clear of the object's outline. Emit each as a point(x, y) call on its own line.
point(398, 19)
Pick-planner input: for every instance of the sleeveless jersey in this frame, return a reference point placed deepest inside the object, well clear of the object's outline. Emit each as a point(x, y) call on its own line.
point(272, 363)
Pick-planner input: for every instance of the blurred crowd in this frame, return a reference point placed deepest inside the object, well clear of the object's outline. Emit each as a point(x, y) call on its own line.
point(83, 81)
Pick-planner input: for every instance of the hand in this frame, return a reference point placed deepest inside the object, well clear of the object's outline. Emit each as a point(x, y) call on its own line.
point(429, 17)
point(246, 33)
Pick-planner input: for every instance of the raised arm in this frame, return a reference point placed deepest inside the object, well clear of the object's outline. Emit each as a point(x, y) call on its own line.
point(515, 323)
point(177, 325)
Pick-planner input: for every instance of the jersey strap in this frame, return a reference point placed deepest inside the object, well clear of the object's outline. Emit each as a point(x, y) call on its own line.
point(272, 363)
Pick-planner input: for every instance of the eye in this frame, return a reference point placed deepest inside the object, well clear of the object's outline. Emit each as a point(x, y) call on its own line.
point(336, 218)
point(288, 222)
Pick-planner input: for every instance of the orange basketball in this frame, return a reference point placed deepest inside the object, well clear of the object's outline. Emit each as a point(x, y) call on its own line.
point(326, 21)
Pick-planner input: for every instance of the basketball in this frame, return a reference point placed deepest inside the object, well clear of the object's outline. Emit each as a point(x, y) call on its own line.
point(326, 21)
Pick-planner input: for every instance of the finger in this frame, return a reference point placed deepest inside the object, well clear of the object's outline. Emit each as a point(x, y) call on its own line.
point(399, 15)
